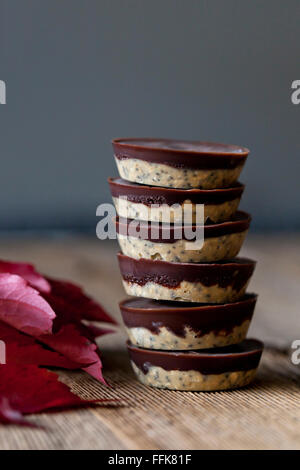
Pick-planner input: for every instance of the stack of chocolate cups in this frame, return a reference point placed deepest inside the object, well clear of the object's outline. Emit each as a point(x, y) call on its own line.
point(188, 320)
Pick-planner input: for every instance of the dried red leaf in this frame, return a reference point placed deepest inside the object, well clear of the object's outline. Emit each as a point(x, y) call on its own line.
point(71, 304)
point(27, 272)
point(72, 344)
point(23, 349)
point(29, 389)
point(28, 307)
point(35, 354)
point(92, 331)
point(68, 297)
point(10, 416)
point(23, 307)
point(70, 349)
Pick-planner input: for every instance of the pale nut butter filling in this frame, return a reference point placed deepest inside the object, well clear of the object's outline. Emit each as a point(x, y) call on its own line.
point(213, 249)
point(193, 380)
point(159, 174)
point(165, 339)
point(134, 210)
point(185, 292)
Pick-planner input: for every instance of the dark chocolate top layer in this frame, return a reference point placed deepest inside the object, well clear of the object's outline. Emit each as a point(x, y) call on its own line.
point(162, 233)
point(142, 194)
point(175, 316)
point(181, 153)
point(243, 356)
point(233, 273)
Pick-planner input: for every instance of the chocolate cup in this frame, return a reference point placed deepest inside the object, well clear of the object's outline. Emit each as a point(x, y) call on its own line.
point(181, 153)
point(163, 233)
point(239, 357)
point(149, 195)
point(219, 282)
point(169, 242)
point(178, 326)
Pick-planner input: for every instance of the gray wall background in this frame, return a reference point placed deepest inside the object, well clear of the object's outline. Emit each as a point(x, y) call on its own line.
point(80, 72)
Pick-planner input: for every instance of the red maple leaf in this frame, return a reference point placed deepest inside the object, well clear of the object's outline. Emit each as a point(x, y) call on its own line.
point(71, 304)
point(26, 389)
point(47, 325)
point(23, 307)
point(24, 349)
point(10, 416)
point(27, 272)
point(69, 342)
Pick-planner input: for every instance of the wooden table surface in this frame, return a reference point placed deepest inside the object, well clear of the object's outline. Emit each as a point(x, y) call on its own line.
point(265, 415)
